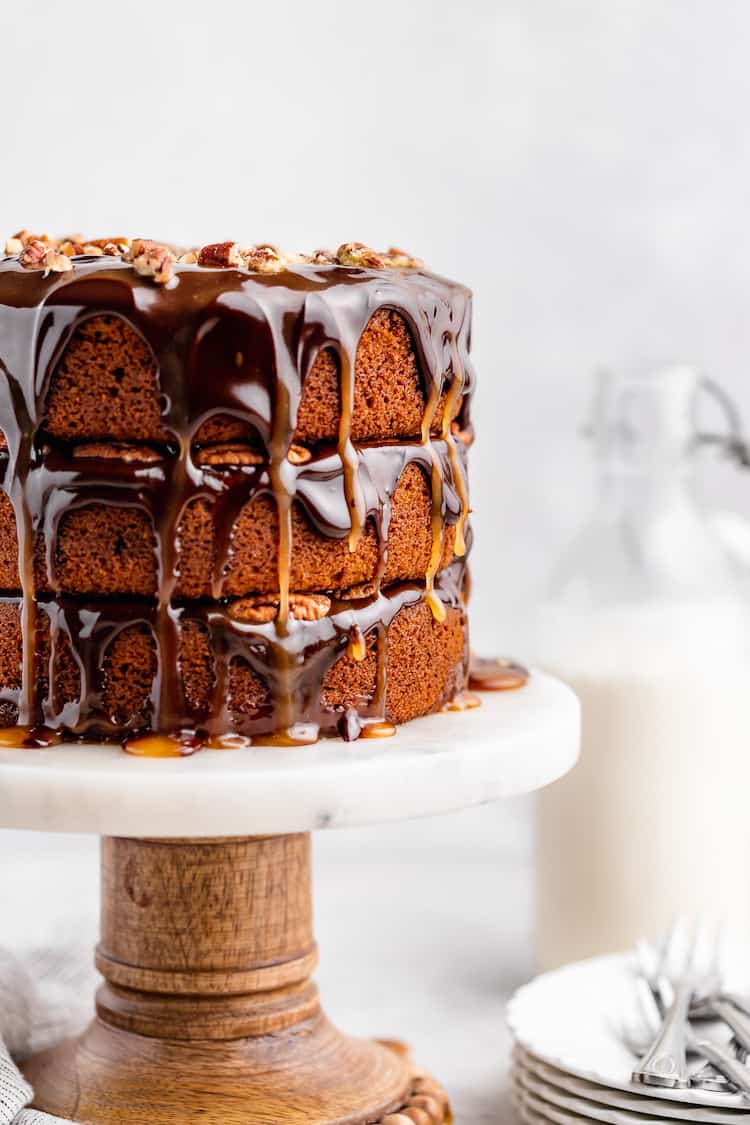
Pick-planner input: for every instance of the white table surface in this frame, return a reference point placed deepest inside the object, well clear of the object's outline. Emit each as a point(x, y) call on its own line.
point(424, 930)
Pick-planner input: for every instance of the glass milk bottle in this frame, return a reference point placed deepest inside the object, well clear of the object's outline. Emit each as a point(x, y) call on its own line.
point(645, 620)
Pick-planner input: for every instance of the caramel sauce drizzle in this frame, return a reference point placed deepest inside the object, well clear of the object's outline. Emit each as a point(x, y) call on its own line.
point(496, 674)
point(464, 701)
point(201, 329)
point(455, 372)
point(348, 453)
point(459, 478)
point(436, 483)
point(357, 646)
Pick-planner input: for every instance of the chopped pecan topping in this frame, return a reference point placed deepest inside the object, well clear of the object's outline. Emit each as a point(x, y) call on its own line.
point(263, 259)
point(156, 260)
point(25, 237)
point(112, 247)
point(55, 262)
point(357, 254)
point(150, 259)
point(33, 254)
point(223, 254)
point(74, 249)
point(401, 260)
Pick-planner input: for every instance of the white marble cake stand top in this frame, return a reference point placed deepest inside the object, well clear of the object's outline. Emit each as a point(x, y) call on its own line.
point(515, 742)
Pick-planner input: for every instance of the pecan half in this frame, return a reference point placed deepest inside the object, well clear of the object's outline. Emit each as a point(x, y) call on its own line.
point(150, 259)
point(353, 593)
point(228, 454)
point(256, 611)
point(357, 254)
point(222, 254)
point(309, 607)
point(262, 608)
point(118, 451)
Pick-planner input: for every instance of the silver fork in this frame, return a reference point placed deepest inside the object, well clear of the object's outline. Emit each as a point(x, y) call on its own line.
point(679, 973)
point(731, 1010)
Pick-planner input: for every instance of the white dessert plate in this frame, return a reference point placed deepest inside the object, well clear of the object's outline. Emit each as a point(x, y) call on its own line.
point(574, 1019)
point(535, 1111)
point(613, 1106)
point(515, 742)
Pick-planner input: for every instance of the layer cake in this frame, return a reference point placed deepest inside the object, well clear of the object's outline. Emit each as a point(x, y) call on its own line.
point(234, 500)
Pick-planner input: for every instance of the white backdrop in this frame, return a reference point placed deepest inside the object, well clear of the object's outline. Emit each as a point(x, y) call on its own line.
point(584, 166)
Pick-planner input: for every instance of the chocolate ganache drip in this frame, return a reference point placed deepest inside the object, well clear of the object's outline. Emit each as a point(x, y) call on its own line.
point(230, 347)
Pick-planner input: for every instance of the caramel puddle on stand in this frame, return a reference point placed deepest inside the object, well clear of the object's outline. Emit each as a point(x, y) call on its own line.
point(498, 674)
point(464, 701)
point(28, 738)
point(161, 746)
point(230, 741)
point(378, 730)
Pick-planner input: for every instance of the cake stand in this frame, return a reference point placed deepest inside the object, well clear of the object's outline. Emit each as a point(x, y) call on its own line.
point(207, 1011)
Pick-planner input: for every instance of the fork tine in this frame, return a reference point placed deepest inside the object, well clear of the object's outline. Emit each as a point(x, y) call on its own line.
point(707, 953)
point(647, 1005)
point(647, 960)
point(721, 934)
point(678, 947)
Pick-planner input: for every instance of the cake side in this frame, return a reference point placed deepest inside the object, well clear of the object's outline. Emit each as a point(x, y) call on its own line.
point(233, 440)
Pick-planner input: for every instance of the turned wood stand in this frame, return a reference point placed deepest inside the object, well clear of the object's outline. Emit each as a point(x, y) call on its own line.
point(207, 1011)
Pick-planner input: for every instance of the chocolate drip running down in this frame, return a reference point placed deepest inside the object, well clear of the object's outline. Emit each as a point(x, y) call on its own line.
point(232, 344)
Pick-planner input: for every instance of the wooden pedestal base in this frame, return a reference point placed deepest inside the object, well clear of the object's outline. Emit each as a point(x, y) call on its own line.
point(207, 1011)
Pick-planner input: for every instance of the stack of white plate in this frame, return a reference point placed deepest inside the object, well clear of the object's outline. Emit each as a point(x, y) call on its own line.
point(571, 1062)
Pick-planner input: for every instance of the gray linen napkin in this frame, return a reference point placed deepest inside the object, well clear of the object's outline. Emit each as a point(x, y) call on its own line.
point(40, 1004)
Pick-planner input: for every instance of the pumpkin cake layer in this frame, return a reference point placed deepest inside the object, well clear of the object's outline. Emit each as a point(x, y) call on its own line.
point(403, 664)
point(106, 386)
point(234, 489)
point(111, 548)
